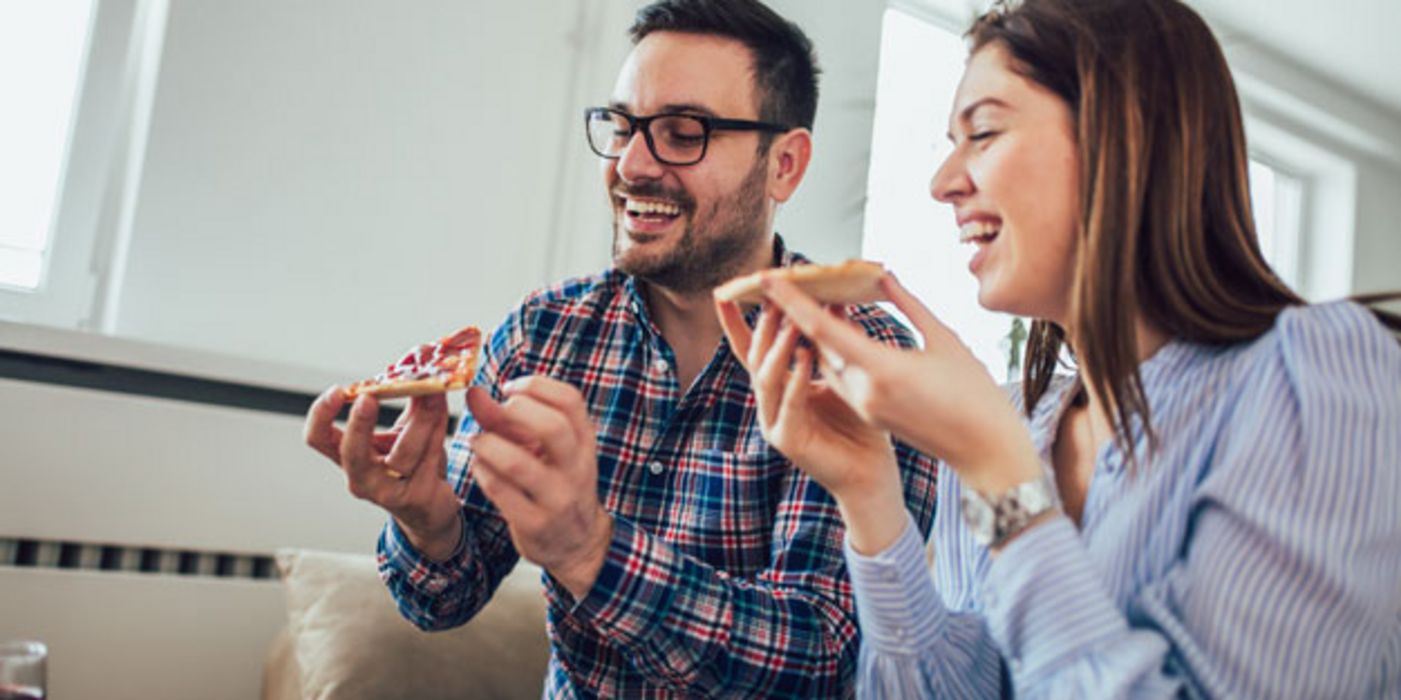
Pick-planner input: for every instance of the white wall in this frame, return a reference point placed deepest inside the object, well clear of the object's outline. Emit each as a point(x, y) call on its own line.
point(327, 183)
point(1344, 130)
point(1377, 265)
point(824, 218)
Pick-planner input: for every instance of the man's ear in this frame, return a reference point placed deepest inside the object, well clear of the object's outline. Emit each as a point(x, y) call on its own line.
point(789, 155)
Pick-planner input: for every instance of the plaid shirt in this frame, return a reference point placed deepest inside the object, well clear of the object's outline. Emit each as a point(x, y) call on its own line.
point(725, 575)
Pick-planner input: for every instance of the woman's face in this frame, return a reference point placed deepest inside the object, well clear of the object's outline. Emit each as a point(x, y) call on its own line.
point(1013, 180)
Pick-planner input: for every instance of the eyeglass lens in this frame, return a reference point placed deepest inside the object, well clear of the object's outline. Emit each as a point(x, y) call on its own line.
point(676, 139)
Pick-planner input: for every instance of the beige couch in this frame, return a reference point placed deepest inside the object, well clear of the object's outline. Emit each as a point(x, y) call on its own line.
point(344, 639)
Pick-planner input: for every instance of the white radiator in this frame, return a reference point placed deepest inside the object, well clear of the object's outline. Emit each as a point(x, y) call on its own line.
point(203, 488)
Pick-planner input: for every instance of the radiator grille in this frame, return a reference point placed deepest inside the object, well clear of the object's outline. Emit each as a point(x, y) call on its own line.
point(50, 554)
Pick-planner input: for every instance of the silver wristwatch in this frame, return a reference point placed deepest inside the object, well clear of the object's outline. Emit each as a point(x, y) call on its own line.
point(993, 520)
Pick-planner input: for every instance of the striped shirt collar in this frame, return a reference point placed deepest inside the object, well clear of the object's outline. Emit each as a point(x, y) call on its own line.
point(1157, 373)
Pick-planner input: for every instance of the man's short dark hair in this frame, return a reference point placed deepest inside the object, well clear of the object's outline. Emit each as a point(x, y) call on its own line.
point(784, 66)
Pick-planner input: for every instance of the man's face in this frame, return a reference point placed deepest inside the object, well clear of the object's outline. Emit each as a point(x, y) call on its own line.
point(688, 228)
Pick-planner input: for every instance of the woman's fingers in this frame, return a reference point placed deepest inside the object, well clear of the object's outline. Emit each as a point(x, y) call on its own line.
point(773, 374)
point(736, 330)
point(764, 332)
point(798, 384)
point(832, 335)
point(923, 319)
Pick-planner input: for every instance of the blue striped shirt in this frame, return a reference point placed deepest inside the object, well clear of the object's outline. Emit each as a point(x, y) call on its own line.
point(1257, 554)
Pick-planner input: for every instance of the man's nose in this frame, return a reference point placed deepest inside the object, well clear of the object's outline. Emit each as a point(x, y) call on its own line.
point(636, 161)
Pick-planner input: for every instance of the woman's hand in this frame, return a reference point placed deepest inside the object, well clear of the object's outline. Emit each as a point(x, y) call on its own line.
point(940, 399)
point(801, 416)
point(815, 428)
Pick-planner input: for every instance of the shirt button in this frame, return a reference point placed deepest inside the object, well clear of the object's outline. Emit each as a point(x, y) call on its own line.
point(1015, 665)
point(655, 467)
point(660, 366)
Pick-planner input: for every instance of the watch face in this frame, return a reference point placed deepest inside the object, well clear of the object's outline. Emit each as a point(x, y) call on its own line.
point(978, 515)
point(1035, 496)
point(993, 520)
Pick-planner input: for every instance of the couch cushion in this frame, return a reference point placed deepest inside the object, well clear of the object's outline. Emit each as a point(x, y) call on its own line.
point(350, 641)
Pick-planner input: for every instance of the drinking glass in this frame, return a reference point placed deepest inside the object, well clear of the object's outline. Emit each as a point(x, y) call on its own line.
point(23, 670)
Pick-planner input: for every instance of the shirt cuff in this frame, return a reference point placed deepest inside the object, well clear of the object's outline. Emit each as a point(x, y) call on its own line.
point(899, 611)
point(424, 574)
point(1044, 602)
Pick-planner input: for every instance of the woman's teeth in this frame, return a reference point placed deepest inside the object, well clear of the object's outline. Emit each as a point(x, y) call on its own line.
point(644, 207)
point(982, 231)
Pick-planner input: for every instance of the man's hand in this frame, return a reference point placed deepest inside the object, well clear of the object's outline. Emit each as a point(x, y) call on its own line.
point(536, 460)
point(401, 470)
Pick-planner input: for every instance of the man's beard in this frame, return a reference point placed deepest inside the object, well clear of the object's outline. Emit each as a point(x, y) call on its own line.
point(714, 246)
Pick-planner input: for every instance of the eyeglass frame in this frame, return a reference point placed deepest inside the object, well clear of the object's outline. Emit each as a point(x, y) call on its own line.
point(644, 124)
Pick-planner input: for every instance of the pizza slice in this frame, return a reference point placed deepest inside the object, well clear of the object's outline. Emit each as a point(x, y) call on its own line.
point(432, 368)
point(851, 282)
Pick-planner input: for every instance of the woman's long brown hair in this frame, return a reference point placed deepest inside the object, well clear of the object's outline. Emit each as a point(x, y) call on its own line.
point(1165, 232)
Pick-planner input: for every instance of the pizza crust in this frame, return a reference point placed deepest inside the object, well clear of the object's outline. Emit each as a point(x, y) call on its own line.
point(851, 282)
point(458, 373)
point(400, 388)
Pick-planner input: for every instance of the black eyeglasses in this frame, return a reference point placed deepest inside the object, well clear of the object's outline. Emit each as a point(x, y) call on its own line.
point(673, 139)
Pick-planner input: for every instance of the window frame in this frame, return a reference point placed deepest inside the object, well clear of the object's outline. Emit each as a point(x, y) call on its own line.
point(101, 169)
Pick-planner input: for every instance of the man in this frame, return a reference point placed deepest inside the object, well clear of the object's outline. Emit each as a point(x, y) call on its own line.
point(612, 438)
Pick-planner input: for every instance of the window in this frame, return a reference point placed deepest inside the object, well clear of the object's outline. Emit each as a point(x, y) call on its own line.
point(42, 47)
point(1277, 199)
point(921, 63)
point(82, 77)
point(915, 236)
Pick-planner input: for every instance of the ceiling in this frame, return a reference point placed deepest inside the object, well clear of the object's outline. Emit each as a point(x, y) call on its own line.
point(1350, 43)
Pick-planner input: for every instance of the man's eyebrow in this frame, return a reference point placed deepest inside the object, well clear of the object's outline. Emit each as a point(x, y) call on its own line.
point(966, 113)
point(670, 108)
point(686, 108)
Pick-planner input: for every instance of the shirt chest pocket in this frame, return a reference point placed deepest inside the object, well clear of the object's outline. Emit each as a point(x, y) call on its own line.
point(733, 499)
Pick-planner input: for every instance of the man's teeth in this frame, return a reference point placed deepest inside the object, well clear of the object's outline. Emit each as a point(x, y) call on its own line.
point(637, 206)
point(977, 230)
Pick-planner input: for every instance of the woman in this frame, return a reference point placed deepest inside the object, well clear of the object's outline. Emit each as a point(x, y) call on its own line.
point(1208, 506)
